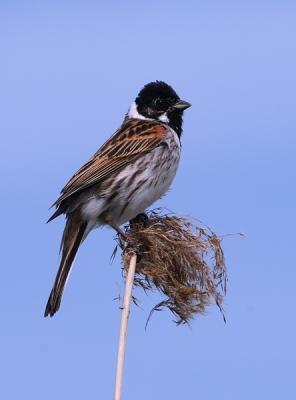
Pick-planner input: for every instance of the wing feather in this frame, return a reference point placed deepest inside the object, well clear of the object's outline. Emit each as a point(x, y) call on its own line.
point(133, 139)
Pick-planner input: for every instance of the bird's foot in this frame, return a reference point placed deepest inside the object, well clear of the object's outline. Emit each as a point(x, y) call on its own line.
point(131, 245)
point(141, 219)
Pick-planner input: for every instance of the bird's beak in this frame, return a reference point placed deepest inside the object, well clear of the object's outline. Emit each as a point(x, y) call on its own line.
point(182, 105)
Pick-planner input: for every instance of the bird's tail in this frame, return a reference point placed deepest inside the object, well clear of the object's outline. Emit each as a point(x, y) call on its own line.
point(74, 233)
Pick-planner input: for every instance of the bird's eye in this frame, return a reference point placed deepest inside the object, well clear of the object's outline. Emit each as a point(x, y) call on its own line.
point(159, 103)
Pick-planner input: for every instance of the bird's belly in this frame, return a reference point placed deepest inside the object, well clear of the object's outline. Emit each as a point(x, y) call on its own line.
point(149, 190)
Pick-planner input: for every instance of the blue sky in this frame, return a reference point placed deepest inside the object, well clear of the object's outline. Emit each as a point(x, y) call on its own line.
point(69, 70)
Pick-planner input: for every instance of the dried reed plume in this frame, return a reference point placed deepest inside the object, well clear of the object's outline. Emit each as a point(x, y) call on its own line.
point(176, 255)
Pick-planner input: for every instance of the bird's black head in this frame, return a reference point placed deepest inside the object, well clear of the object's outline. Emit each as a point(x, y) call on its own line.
point(158, 100)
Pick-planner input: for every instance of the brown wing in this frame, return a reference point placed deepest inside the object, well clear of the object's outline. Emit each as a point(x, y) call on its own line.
point(133, 139)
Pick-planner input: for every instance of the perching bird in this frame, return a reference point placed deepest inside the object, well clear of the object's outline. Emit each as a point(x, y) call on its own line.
point(133, 169)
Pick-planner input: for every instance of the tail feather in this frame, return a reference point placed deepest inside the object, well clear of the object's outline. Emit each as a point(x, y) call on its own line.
point(72, 240)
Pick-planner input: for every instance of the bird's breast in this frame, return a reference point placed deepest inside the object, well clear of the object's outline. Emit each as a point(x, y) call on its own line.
point(137, 186)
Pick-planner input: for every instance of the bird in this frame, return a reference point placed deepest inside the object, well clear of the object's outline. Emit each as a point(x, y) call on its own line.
point(131, 170)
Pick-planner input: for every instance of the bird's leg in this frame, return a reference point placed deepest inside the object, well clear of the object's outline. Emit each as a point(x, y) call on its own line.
point(129, 241)
point(119, 231)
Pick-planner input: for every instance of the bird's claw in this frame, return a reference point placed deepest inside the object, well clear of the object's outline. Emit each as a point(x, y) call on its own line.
point(131, 245)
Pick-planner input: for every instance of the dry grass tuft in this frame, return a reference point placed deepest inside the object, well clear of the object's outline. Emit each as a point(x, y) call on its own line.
point(183, 261)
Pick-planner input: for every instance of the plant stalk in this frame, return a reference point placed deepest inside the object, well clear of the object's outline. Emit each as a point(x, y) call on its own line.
point(124, 326)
